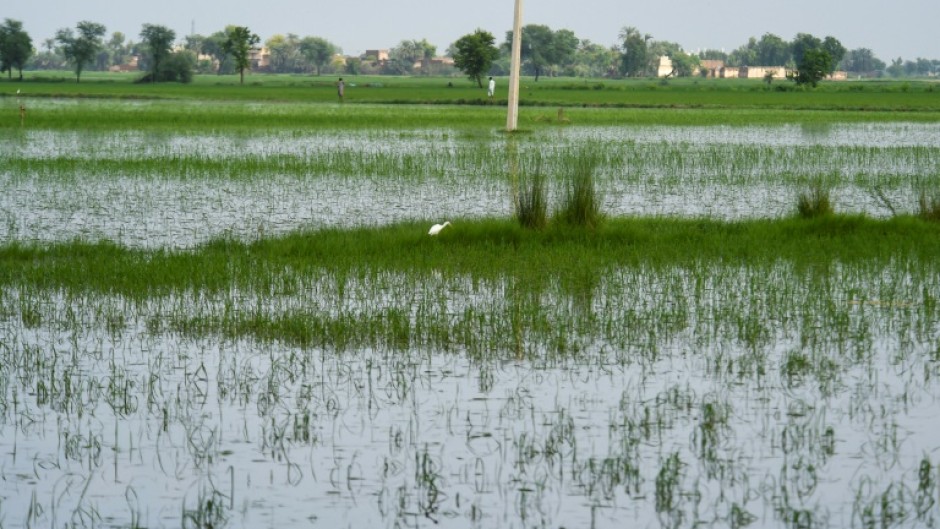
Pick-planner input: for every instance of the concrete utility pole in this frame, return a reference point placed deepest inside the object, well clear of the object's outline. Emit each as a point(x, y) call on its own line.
point(512, 115)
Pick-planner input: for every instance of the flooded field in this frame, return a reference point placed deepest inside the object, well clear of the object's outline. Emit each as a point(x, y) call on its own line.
point(717, 396)
point(716, 393)
point(159, 190)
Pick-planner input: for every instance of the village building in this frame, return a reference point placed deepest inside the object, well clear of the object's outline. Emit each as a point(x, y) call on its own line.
point(664, 68)
point(762, 72)
point(376, 55)
point(259, 58)
point(710, 68)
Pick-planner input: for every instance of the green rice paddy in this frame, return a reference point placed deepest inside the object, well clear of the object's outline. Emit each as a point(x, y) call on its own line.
point(219, 306)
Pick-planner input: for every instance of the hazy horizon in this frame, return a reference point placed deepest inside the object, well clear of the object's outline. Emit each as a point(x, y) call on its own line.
point(903, 28)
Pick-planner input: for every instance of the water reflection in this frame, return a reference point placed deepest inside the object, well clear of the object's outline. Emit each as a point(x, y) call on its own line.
point(666, 396)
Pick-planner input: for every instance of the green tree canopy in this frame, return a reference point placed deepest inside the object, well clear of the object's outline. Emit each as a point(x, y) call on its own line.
point(862, 61)
point(239, 41)
point(158, 41)
point(15, 47)
point(542, 48)
point(117, 49)
point(684, 64)
point(318, 51)
point(214, 46)
point(474, 53)
point(801, 43)
point(594, 60)
point(772, 51)
point(744, 55)
point(403, 57)
point(814, 66)
point(80, 49)
point(835, 49)
point(634, 61)
point(286, 56)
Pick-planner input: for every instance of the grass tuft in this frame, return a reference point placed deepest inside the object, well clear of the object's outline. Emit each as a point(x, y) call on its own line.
point(581, 203)
point(814, 202)
point(531, 203)
point(929, 207)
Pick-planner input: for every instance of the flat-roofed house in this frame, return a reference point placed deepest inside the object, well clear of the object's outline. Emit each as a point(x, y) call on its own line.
point(761, 72)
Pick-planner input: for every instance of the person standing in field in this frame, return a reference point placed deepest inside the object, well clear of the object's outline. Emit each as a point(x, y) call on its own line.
point(341, 89)
point(492, 88)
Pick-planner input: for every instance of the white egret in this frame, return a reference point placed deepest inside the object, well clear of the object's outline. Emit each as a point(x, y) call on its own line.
point(437, 228)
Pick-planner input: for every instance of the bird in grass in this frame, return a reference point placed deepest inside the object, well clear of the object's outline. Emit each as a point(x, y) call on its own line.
point(437, 228)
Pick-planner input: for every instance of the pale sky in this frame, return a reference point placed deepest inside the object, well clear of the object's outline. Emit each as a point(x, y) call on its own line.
point(896, 28)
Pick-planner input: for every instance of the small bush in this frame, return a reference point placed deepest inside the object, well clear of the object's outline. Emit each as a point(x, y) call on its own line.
point(929, 207)
point(814, 203)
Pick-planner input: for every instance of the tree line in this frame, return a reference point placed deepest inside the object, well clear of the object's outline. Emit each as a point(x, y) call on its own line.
point(545, 52)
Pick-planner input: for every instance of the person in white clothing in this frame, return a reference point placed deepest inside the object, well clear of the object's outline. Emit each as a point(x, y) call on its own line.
point(492, 88)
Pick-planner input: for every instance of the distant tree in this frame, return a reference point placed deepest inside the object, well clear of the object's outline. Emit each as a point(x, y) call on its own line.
point(116, 48)
point(15, 47)
point(683, 64)
point(862, 61)
point(594, 60)
point(814, 66)
point(179, 67)
point(564, 48)
point(194, 43)
point(924, 67)
point(49, 57)
point(896, 69)
point(745, 55)
point(285, 53)
point(81, 49)
point(835, 49)
point(474, 53)
point(713, 55)
point(428, 51)
point(537, 47)
point(801, 43)
point(353, 65)
point(239, 41)
point(318, 51)
point(634, 61)
point(214, 46)
point(772, 51)
point(158, 41)
point(403, 57)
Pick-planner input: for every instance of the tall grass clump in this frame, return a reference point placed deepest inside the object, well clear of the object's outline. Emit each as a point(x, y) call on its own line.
point(814, 202)
point(929, 207)
point(531, 204)
point(581, 203)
